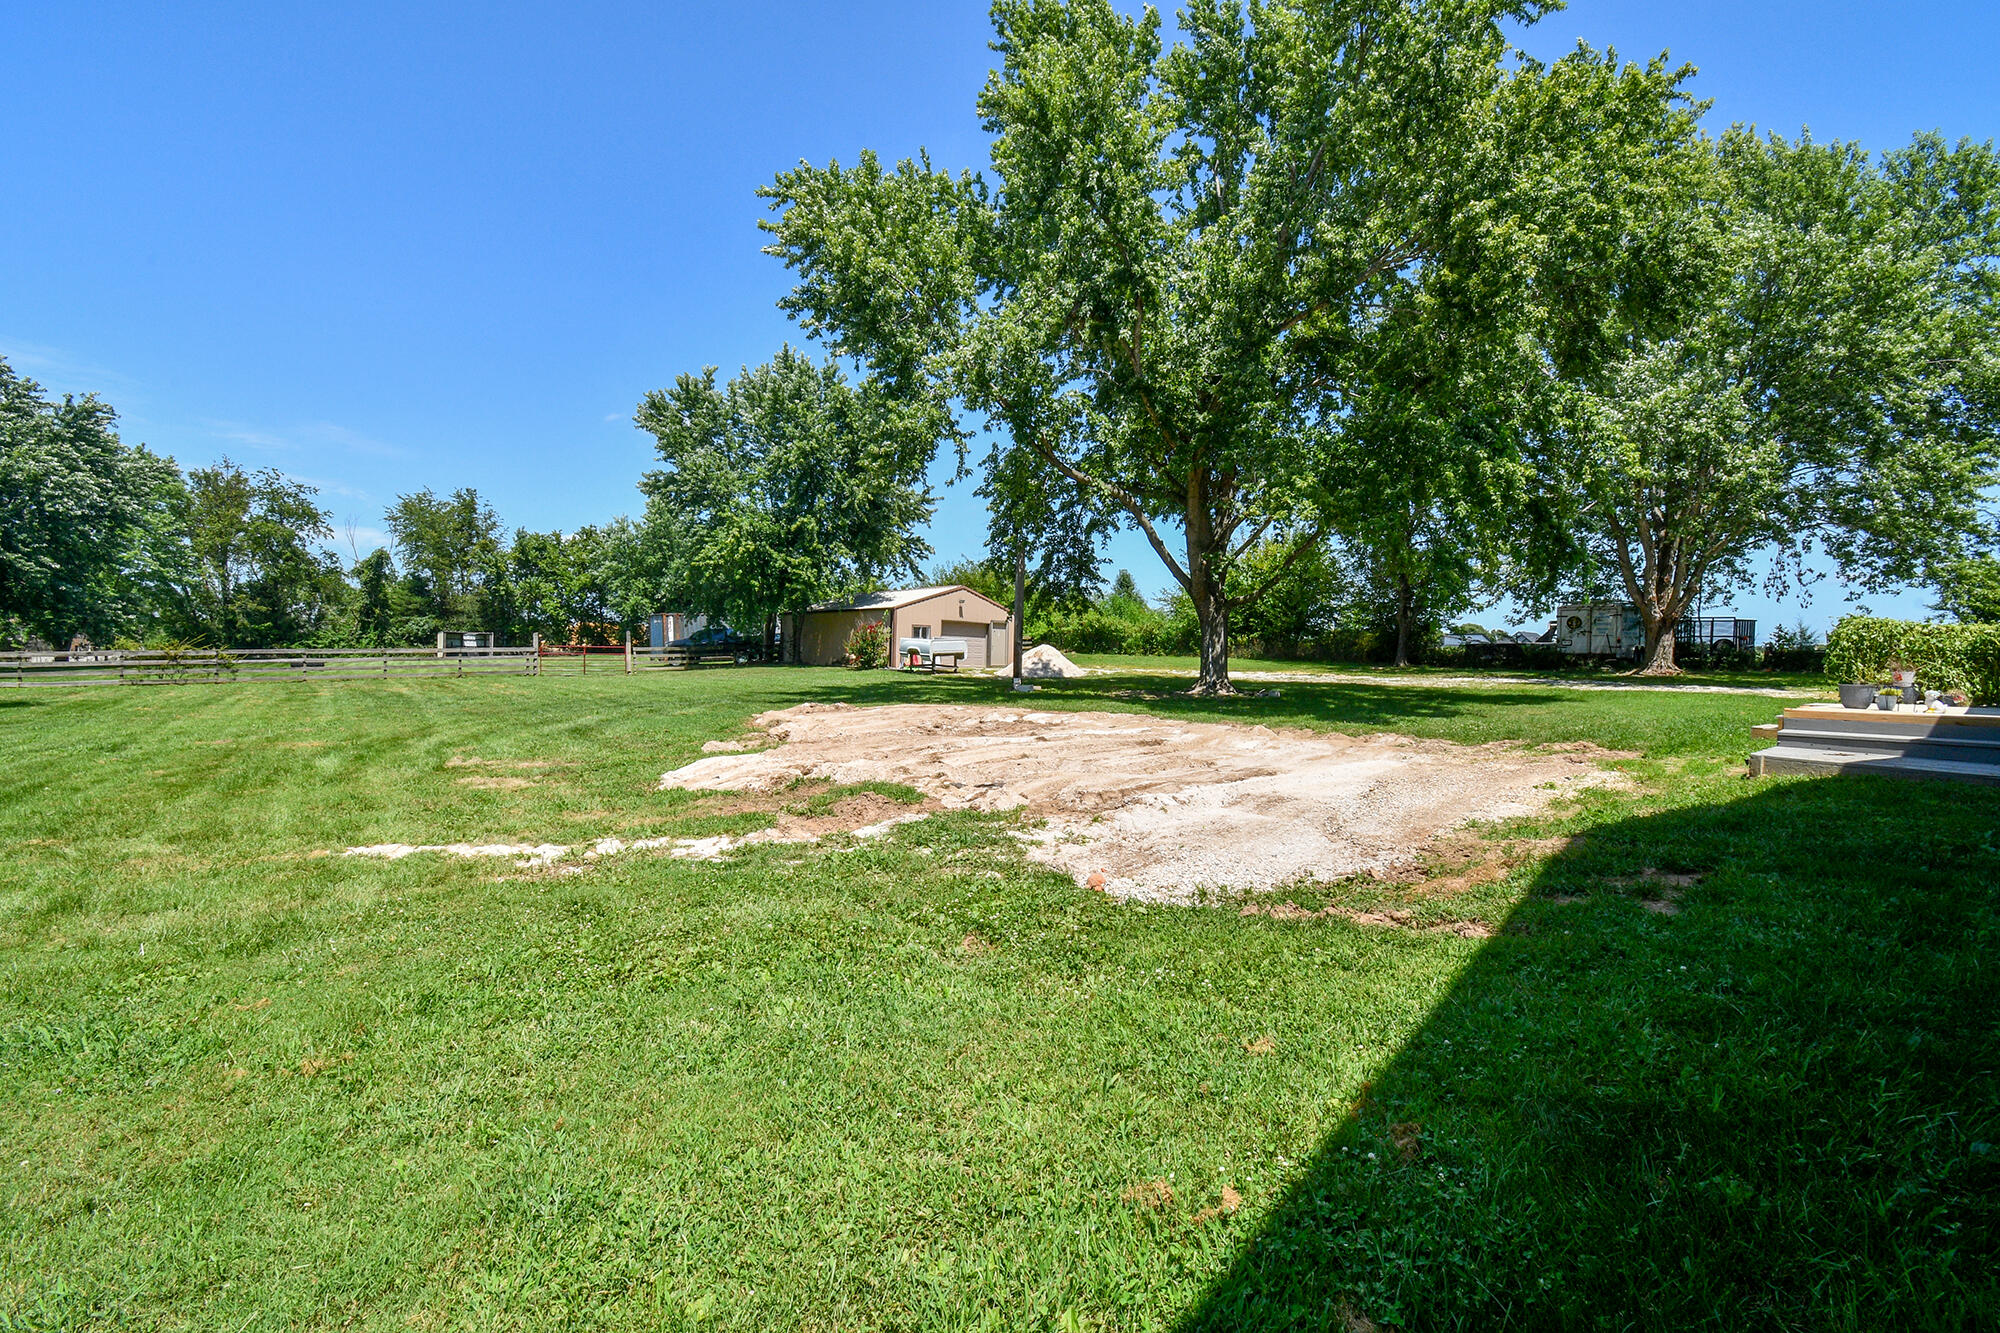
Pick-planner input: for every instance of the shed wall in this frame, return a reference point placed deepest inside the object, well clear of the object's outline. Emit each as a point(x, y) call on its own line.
point(964, 615)
point(823, 635)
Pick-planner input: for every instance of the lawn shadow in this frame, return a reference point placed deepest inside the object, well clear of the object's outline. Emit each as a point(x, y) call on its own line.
point(1321, 706)
point(1728, 1065)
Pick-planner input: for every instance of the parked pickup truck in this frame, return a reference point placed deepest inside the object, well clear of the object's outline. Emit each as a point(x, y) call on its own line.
point(914, 653)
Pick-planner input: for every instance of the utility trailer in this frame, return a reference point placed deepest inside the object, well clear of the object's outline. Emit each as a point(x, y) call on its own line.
point(1613, 629)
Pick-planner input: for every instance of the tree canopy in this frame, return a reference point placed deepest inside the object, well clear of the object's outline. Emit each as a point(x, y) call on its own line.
point(80, 514)
point(256, 576)
point(1165, 296)
point(786, 486)
point(450, 551)
point(1823, 380)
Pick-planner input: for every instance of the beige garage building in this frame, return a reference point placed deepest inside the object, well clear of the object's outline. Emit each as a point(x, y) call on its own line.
point(818, 637)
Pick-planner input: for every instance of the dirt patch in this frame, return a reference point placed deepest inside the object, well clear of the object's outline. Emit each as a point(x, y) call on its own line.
point(1230, 1201)
point(1659, 890)
point(1465, 861)
point(855, 814)
point(732, 747)
point(1163, 809)
point(490, 783)
point(474, 761)
point(863, 816)
point(1383, 916)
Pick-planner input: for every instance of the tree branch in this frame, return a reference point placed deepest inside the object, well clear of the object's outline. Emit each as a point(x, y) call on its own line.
point(1299, 547)
point(1124, 499)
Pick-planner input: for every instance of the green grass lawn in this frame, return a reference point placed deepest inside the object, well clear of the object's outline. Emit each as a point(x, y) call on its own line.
point(926, 1084)
point(1611, 675)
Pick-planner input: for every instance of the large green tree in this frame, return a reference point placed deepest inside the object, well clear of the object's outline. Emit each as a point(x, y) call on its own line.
point(449, 548)
point(786, 486)
point(84, 518)
point(1825, 378)
point(257, 575)
point(591, 584)
point(1432, 486)
point(1160, 295)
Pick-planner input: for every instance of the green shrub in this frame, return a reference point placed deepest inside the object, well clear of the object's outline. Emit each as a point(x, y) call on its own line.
point(1946, 657)
point(1116, 624)
point(868, 645)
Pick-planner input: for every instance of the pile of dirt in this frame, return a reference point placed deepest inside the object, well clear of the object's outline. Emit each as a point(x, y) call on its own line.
point(1045, 663)
point(1150, 808)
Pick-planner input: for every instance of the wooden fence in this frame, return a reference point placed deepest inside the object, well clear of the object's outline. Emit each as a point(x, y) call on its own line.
point(569, 658)
point(27, 670)
point(694, 655)
point(630, 657)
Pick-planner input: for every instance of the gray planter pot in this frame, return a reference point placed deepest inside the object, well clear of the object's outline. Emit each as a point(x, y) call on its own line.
point(1857, 696)
point(1887, 705)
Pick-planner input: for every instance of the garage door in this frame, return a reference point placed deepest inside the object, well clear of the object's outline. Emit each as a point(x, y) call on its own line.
point(974, 636)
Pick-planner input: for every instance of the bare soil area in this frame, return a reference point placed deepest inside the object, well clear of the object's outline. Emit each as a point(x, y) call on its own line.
point(1154, 809)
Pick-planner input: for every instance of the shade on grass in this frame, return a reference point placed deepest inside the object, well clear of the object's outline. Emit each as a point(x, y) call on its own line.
point(925, 1084)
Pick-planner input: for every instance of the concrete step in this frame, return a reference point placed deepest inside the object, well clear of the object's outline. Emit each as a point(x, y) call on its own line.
point(1976, 748)
point(1781, 759)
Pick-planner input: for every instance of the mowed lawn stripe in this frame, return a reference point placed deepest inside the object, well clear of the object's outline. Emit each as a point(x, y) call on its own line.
point(921, 1083)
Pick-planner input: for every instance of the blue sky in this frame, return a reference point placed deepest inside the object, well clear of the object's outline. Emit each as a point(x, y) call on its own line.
point(383, 247)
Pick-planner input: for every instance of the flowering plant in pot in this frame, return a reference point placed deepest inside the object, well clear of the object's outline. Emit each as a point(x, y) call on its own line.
point(1901, 674)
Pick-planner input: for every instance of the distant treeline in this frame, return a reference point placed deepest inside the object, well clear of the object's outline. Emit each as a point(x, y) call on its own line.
point(120, 545)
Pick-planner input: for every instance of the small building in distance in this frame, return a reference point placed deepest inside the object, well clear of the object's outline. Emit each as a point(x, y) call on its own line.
point(818, 635)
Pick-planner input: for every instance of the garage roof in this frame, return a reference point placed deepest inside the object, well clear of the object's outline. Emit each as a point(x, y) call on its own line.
point(890, 598)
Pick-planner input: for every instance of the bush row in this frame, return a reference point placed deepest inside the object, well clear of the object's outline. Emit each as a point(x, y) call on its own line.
point(1945, 657)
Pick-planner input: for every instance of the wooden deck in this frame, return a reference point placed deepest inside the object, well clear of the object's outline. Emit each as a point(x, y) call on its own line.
point(1961, 744)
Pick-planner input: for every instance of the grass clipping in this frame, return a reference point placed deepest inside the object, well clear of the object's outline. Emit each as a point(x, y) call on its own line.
point(1163, 810)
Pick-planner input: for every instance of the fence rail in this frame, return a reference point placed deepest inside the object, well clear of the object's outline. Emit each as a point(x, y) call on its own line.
point(632, 657)
point(29, 670)
point(694, 655)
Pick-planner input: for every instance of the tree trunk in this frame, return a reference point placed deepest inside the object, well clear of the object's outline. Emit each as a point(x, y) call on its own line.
point(1211, 607)
point(1404, 610)
point(1020, 608)
point(1212, 615)
point(1658, 657)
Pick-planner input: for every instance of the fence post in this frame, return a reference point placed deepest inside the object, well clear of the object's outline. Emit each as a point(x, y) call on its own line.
point(628, 652)
point(585, 650)
point(535, 646)
point(440, 643)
